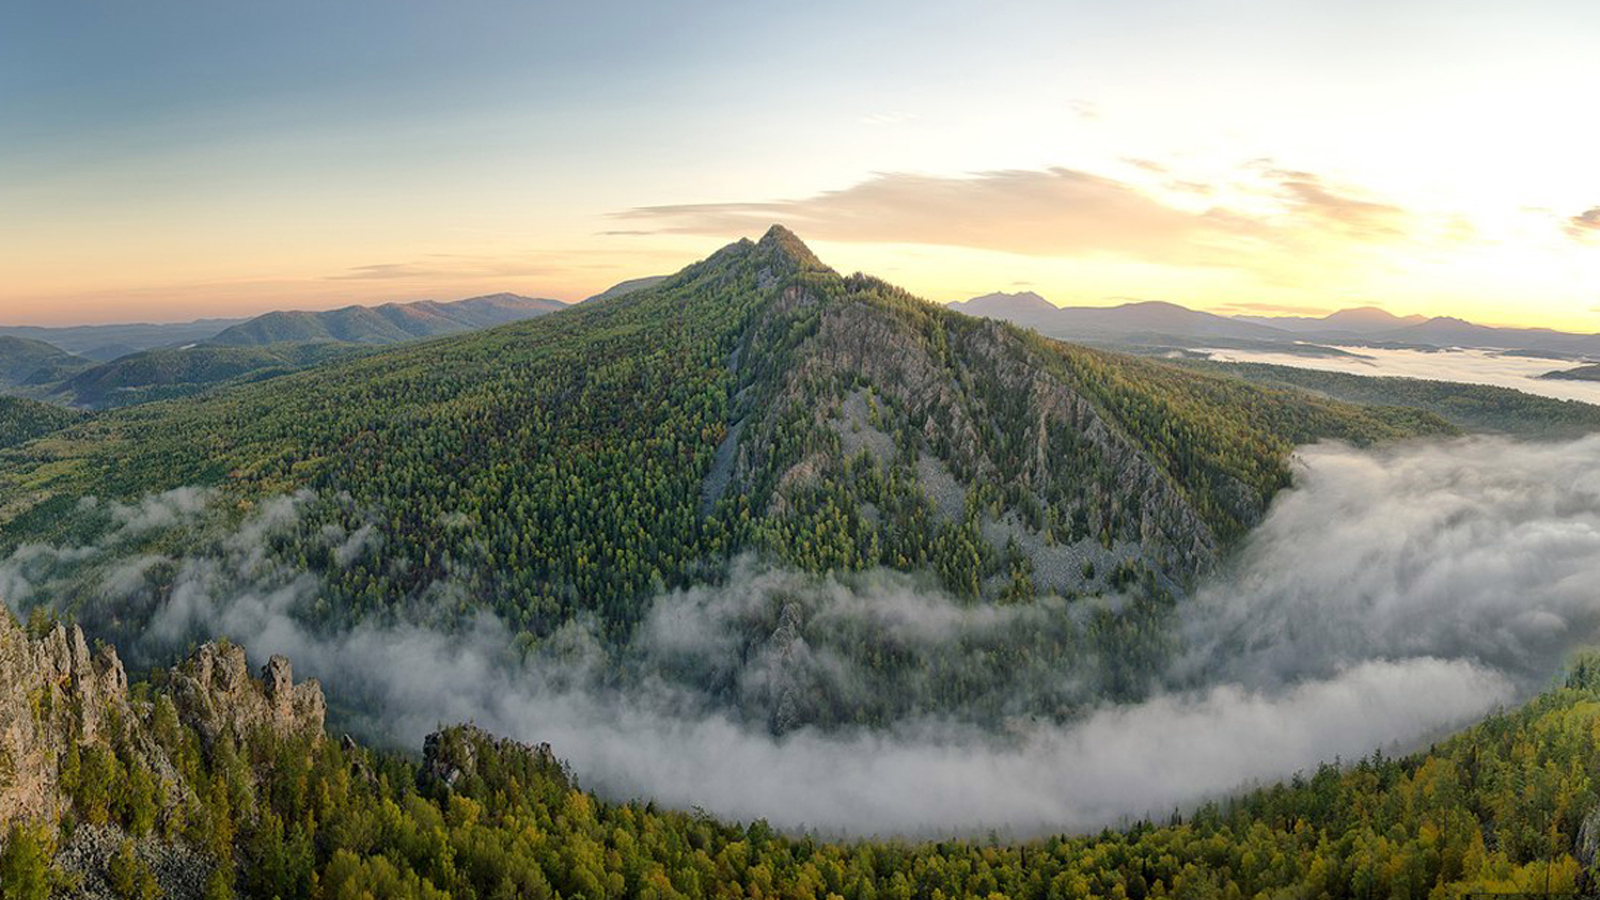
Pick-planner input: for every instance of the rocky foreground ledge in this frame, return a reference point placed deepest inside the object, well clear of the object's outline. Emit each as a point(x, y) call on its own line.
point(56, 696)
point(55, 692)
point(62, 703)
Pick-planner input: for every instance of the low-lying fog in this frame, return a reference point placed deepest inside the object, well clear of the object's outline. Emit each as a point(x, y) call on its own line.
point(1463, 365)
point(1388, 597)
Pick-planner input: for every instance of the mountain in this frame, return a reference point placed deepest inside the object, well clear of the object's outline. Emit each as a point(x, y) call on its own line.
point(102, 343)
point(175, 372)
point(1366, 320)
point(27, 361)
point(626, 287)
point(23, 420)
point(1447, 331)
point(1477, 408)
point(387, 324)
point(211, 781)
point(757, 401)
point(1373, 326)
point(1581, 373)
point(1001, 305)
point(1131, 323)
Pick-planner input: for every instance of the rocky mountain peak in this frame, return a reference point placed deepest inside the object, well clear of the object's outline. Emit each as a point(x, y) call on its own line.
point(781, 240)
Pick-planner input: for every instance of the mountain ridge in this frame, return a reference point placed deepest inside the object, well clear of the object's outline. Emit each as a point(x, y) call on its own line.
point(747, 403)
point(386, 323)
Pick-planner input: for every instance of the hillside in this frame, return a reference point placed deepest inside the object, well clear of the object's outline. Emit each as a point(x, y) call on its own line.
point(177, 372)
point(23, 420)
point(1581, 373)
point(26, 361)
point(627, 287)
point(387, 324)
point(756, 401)
point(212, 782)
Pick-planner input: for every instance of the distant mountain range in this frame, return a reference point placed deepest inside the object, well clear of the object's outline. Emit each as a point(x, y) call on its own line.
point(118, 365)
point(26, 360)
point(1153, 323)
point(103, 343)
point(1360, 320)
point(390, 323)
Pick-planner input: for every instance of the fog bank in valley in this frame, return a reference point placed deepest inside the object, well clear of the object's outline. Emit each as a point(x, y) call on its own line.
point(1389, 596)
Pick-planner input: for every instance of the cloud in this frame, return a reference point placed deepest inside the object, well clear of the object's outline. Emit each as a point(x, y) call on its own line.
point(1065, 212)
point(1285, 308)
point(1047, 212)
point(1389, 596)
point(1584, 225)
point(1308, 196)
point(464, 267)
point(1147, 165)
point(886, 118)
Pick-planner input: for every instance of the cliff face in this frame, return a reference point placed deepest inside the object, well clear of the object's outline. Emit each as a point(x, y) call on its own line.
point(52, 691)
point(56, 693)
point(972, 413)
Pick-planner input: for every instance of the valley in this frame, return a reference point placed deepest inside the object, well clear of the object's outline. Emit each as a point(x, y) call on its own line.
point(791, 547)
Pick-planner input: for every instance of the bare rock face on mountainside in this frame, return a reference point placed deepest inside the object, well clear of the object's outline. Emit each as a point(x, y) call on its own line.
point(956, 391)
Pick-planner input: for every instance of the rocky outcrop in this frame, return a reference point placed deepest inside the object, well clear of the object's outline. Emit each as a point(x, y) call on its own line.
point(52, 690)
point(455, 753)
point(215, 693)
point(56, 693)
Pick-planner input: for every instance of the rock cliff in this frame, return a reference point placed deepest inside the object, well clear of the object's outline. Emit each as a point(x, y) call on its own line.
point(56, 693)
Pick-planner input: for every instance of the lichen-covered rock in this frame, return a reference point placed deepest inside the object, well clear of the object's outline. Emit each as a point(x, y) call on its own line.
point(215, 693)
point(52, 691)
point(56, 693)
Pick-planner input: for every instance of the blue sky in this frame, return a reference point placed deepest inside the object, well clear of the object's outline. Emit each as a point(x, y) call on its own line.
point(167, 159)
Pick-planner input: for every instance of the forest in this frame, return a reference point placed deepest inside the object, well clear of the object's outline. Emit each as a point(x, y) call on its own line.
point(1508, 805)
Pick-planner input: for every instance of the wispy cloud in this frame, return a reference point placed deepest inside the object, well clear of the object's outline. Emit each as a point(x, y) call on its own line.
point(1585, 225)
point(1282, 214)
point(886, 118)
point(1039, 212)
point(1087, 110)
point(1284, 308)
point(1310, 196)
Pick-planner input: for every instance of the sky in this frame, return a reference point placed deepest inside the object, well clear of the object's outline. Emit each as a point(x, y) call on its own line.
point(173, 159)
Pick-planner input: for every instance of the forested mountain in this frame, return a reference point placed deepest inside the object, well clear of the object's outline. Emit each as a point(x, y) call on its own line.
point(168, 373)
point(23, 420)
point(210, 782)
point(755, 401)
point(627, 287)
point(387, 324)
point(26, 361)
